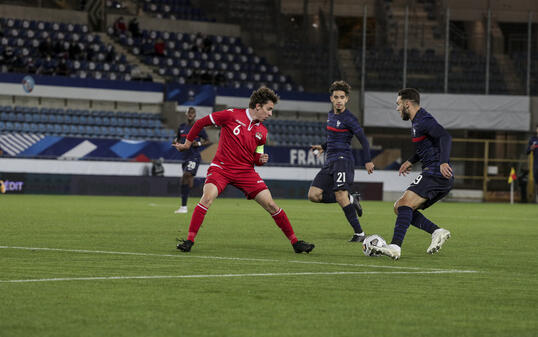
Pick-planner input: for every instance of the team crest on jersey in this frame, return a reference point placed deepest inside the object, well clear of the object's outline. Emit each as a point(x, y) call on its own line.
point(338, 123)
point(239, 122)
point(414, 132)
point(259, 135)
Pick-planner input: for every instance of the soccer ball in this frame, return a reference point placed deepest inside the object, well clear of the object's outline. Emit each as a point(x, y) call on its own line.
point(371, 241)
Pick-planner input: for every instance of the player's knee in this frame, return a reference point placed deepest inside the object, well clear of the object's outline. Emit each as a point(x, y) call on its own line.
point(402, 203)
point(341, 196)
point(206, 200)
point(272, 207)
point(313, 196)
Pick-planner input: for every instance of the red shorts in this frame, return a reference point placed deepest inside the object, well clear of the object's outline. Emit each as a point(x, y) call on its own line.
point(247, 181)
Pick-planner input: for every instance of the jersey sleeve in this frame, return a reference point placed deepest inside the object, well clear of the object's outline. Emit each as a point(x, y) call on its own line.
point(355, 127)
point(437, 131)
point(221, 117)
point(529, 146)
point(216, 118)
point(178, 133)
point(203, 134)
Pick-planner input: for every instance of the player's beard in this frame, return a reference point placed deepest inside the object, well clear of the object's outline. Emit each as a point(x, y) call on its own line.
point(405, 114)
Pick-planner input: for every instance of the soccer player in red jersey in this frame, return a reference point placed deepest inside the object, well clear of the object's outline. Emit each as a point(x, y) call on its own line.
point(240, 148)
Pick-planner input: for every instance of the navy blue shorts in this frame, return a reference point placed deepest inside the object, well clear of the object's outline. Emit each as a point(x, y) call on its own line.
point(191, 166)
point(337, 175)
point(430, 187)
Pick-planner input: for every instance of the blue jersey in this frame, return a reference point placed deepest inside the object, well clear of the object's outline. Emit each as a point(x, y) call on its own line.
point(433, 143)
point(533, 140)
point(182, 132)
point(340, 130)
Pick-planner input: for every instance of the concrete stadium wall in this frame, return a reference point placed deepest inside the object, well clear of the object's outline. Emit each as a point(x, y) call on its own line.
point(503, 10)
point(534, 113)
point(181, 26)
point(43, 14)
point(341, 8)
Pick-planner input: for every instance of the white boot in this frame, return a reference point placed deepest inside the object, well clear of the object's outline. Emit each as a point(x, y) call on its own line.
point(439, 237)
point(182, 209)
point(393, 251)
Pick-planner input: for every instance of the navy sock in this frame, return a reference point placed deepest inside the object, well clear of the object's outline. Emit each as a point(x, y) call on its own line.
point(405, 214)
point(328, 197)
point(351, 216)
point(185, 189)
point(420, 221)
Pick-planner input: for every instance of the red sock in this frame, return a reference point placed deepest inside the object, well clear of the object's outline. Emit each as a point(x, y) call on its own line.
point(282, 221)
point(196, 221)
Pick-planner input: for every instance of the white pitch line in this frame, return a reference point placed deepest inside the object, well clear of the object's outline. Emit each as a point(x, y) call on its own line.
point(232, 275)
point(180, 255)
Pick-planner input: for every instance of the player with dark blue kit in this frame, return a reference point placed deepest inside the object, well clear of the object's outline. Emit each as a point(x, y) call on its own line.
point(191, 159)
point(533, 147)
point(433, 144)
point(334, 182)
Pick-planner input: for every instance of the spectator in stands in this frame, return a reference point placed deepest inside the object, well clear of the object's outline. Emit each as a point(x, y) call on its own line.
point(45, 48)
point(158, 48)
point(134, 28)
point(198, 44)
point(31, 66)
point(148, 47)
point(46, 67)
point(62, 69)
point(218, 78)
point(207, 44)
point(205, 77)
point(90, 54)
point(58, 48)
point(110, 53)
point(119, 26)
point(157, 169)
point(7, 59)
point(74, 51)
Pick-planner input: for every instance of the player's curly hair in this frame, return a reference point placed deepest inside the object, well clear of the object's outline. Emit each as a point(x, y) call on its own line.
point(262, 96)
point(340, 85)
point(410, 94)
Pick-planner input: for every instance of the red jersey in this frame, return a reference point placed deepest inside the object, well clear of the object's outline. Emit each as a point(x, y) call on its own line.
point(239, 137)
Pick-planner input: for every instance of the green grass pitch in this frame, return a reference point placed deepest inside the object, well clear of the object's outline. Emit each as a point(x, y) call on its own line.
point(110, 268)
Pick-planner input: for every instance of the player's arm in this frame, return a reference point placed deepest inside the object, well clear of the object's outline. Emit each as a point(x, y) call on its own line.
point(204, 139)
point(359, 133)
point(260, 158)
point(531, 146)
point(406, 165)
point(318, 149)
point(178, 135)
point(445, 144)
point(215, 118)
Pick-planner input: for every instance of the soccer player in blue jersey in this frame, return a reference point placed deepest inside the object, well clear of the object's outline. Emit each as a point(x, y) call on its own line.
point(433, 144)
point(334, 181)
point(192, 157)
point(533, 147)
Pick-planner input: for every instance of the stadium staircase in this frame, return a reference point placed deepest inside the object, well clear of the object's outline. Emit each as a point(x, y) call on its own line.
point(132, 59)
point(348, 68)
point(421, 27)
point(508, 70)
